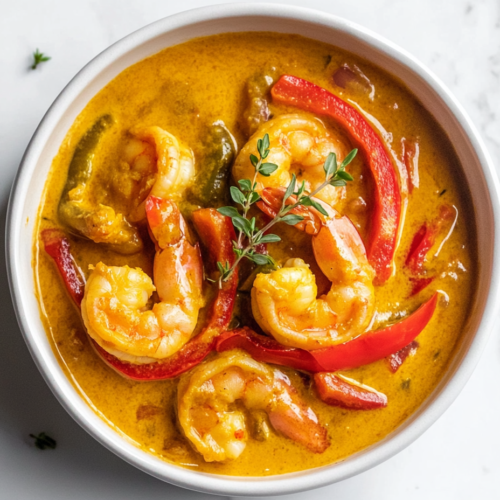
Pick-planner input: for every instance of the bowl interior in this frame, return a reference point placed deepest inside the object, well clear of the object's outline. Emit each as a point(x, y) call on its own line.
point(29, 186)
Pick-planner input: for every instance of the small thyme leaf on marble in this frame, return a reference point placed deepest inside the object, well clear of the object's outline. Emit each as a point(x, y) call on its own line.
point(39, 57)
point(43, 441)
point(249, 235)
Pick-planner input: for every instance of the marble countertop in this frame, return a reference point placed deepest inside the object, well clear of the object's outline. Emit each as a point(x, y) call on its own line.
point(458, 458)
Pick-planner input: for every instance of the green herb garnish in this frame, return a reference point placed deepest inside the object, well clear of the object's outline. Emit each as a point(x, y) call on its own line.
point(43, 441)
point(249, 236)
point(39, 57)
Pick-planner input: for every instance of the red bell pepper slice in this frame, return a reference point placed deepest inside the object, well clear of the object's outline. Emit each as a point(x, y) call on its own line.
point(216, 233)
point(362, 350)
point(191, 354)
point(425, 238)
point(382, 240)
point(267, 349)
point(411, 150)
point(423, 241)
point(395, 360)
point(420, 245)
point(336, 391)
point(56, 244)
point(419, 284)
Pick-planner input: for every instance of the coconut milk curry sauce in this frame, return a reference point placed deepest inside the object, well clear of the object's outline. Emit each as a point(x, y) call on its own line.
point(230, 414)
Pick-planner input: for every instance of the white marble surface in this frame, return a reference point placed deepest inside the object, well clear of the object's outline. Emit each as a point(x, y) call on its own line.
point(458, 458)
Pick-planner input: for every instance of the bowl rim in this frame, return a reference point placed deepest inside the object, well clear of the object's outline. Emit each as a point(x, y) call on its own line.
point(231, 485)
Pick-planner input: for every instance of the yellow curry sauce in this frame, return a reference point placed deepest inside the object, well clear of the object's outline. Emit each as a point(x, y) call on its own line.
point(185, 88)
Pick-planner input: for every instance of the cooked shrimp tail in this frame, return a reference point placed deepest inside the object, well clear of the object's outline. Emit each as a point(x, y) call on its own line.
point(294, 419)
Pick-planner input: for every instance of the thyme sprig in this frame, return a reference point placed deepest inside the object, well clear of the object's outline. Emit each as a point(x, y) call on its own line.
point(249, 235)
point(44, 441)
point(39, 57)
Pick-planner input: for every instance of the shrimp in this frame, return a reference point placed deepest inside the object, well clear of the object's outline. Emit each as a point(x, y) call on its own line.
point(217, 428)
point(285, 302)
point(163, 166)
point(298, 144)
point(114, 306)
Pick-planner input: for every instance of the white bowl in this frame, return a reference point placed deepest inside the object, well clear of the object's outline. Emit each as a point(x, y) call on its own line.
point(30, 181)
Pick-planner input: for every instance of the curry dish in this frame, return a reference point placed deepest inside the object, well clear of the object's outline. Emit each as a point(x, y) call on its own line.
point(255, 254)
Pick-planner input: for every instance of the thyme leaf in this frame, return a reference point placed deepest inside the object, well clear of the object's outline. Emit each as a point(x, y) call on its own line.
point(39, 57)
point(44, 441)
